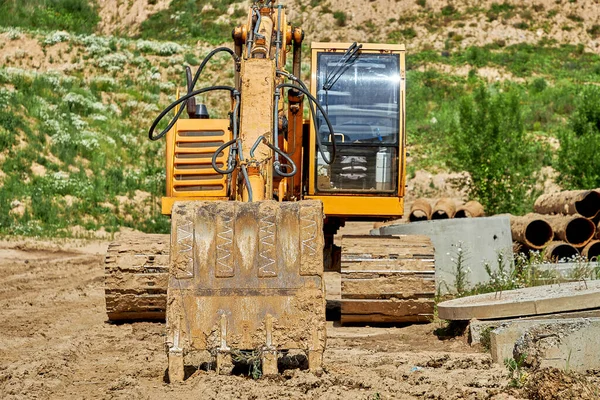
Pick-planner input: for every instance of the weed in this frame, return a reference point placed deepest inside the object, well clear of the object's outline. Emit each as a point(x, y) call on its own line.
point(183, 22)
point(517, 374)
point(575, 18)
point(449, 10)
point(521, 25)
point(191, 59)
point(594, 31)
point(460, 270)
point(340, 17)
point(485, 339)
point(252, 359)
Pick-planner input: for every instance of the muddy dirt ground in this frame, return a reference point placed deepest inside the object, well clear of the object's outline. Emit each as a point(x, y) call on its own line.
point(55, 343)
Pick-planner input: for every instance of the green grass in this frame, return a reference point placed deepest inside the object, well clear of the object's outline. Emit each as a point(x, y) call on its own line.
point(76, 16)
point(93, 151)
point(523, 60)
point(188, 21)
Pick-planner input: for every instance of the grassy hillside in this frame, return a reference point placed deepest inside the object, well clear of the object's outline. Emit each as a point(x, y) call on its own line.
point(505, 91)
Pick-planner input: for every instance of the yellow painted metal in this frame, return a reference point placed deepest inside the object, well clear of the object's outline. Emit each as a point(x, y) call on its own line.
point(373, 49)
point(191, 144)
point(361, 206)
point(258, 188)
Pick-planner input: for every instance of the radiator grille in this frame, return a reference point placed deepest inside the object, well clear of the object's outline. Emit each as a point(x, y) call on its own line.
point(192, 171)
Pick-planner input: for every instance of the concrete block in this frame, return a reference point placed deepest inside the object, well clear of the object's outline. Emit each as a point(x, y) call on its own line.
point(481, 240)
point(562, 343)
point(504, 336)
point(477, 327)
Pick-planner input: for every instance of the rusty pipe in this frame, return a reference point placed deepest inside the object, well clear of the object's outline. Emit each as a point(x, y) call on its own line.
point(573, 229)
point(472, 209)
point(591, 251)
point(532, 230)
point(444, 208)
point(557, 251)
point(420, 210)
point(583, 202)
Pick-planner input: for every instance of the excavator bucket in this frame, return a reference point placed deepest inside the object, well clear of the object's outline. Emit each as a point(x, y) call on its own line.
point(245, 278)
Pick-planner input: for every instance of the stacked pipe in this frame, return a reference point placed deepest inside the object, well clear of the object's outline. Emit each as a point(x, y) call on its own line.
point(444, 208)
point(563, 225)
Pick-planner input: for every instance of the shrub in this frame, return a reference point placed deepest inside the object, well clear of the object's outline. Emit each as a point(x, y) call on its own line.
point(594, 31)
point(448, 10)
point(340, 18)
point(578, 161)
point(490, 143)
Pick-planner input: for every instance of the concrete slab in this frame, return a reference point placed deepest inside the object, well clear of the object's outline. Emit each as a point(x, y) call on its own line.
point(477, 327)
point(564, 343)
point(537, 300)
point(480, 240)
point(504, 336)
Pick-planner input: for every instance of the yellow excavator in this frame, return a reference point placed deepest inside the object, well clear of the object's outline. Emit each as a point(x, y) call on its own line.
point(256, 200)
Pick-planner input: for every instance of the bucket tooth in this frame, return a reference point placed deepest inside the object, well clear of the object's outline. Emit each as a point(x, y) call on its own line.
point(247, 277)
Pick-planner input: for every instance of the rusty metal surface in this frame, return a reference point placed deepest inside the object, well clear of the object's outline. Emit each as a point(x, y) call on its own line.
point(420, 210)
point(444, 208)
point(573, 229)
point(471, 209)
point(591, 251)
point(558, 250)
point(246, 276)
point(532, 230)
point(584, 202)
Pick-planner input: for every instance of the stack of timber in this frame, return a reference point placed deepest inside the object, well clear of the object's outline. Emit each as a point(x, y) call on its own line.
point(444, 208)
point(564, 225)
point(387, 279)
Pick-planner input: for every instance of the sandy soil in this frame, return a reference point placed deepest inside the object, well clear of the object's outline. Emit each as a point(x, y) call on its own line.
point(125, 17)
point(55, 343)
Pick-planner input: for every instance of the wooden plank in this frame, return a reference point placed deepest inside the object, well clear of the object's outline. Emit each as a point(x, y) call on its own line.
point(376, 286)
point(389, 265)
point(387, 308)
point(383, 319)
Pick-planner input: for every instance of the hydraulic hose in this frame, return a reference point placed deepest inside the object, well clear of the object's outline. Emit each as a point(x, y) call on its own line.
point(231, 161)
point(278, 151)
point(190, 88)
point(304, 90)
point(313, 115)
point(175, 104)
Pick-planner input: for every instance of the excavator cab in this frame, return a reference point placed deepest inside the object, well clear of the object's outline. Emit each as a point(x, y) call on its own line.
point(362, 89)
